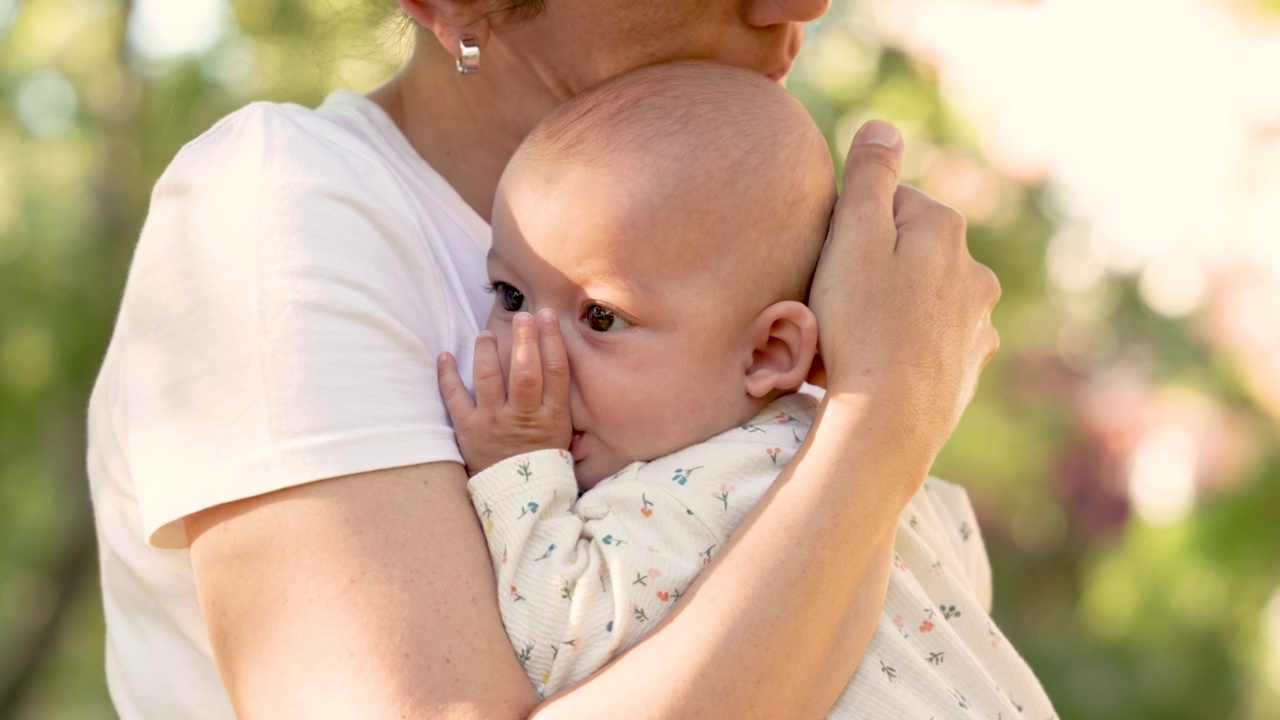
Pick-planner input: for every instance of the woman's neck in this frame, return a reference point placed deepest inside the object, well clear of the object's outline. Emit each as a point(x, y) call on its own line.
point(466, 127)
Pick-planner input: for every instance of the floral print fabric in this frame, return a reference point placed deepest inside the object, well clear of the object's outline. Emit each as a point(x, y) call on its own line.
point(582, 578)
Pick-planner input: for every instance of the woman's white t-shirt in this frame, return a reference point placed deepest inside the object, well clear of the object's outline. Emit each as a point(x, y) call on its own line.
point(297, 275)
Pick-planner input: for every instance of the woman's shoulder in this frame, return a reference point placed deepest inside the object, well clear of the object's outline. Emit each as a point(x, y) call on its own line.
point(258, 121)
point(268, 160)
point(266, 141)
point(277, 194)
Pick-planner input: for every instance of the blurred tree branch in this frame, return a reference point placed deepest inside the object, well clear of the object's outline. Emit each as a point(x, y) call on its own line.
point(74, 568)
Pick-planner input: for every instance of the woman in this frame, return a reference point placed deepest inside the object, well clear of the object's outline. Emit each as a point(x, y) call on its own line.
point(271, 464)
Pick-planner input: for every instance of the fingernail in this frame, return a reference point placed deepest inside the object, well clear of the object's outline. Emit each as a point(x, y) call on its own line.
point(878, 132)
point(547, 316)
point(523, 319)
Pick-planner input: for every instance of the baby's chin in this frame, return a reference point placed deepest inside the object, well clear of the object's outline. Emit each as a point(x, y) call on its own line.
point(592, 461)
point(601, 464)
point(594, 469)
point(589, 474)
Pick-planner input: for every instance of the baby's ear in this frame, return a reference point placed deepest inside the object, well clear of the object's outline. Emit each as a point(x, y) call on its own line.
point(784, 338)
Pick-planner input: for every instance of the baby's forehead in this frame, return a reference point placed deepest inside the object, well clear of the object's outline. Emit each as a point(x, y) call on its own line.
point(681, 118)
point(671, 213)
point(729, 171)
point(686, 205)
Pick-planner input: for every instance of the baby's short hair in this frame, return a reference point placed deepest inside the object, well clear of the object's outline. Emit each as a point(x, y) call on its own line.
point(731, 130)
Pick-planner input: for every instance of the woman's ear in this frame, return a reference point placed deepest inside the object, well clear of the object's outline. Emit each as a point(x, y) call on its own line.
point(784, 338)
point(451, 21)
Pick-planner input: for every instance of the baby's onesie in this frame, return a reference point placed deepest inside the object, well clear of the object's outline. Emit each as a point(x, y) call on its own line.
point(581, 579)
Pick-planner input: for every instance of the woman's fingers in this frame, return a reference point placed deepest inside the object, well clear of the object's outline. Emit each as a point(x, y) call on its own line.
point(862, 236)
point(990, 284)
point(555, 362)
point(925, 225)
point(872, 171)
point(904, 311)
point(860, 242)
point(524, 389)
point(987, 286)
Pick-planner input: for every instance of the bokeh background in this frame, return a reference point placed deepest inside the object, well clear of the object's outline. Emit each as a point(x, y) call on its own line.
point(1118, 160)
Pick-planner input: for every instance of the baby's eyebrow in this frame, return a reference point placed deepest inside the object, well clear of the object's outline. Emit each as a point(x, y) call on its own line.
point(493, 257)
point(629, 283)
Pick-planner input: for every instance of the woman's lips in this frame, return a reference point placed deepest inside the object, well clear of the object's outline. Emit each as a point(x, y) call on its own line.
point(575, 443)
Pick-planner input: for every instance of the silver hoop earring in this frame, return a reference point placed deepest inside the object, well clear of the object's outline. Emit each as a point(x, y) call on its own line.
point(469, 56)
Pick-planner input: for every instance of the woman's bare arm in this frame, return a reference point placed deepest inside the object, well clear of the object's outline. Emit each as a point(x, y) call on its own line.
point(372, 596)
point(366, 596)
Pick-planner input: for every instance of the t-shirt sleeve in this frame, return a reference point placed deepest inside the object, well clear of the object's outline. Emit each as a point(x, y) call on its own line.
point(280, 322)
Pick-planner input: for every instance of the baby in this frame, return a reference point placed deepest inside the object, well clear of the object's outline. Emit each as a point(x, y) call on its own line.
point(671, 219)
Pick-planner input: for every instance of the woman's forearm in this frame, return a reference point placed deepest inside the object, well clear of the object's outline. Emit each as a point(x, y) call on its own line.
point(778, 623)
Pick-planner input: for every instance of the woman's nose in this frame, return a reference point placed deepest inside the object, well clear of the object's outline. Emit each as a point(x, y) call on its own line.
point(762, 13)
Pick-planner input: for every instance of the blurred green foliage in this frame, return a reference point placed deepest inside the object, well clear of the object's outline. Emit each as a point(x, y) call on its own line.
point(1121, 618)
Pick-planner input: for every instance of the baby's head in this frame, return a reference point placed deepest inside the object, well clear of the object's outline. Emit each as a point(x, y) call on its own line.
point(672, 217)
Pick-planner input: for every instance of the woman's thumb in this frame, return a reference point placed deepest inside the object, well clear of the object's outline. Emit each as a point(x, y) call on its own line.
point(872, 172)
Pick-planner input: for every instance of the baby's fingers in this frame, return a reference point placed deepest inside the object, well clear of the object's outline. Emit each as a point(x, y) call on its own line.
point(524, 391)
point(555, 362)
point(456, 398)
point(491, 391)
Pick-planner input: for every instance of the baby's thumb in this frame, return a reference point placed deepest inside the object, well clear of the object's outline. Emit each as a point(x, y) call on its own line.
point(871, 174)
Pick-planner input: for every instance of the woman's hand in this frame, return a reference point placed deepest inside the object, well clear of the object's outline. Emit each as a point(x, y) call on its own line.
point(527, 411)
point(904, 312)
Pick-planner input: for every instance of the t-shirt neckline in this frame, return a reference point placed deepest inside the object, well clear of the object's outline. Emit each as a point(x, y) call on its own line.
point(387, 130)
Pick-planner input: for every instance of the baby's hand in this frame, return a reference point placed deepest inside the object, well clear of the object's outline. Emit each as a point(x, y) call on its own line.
point(527, 412)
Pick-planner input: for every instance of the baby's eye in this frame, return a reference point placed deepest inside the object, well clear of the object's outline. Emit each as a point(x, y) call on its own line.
point(602, 319)
point(509, 296)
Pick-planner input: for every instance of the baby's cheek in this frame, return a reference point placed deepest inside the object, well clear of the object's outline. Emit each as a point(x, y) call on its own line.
point(662, 436)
